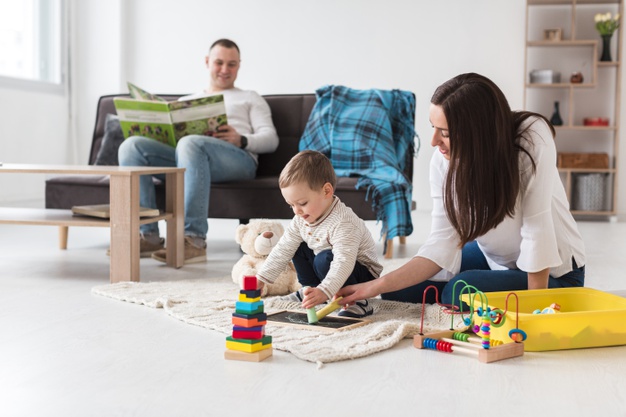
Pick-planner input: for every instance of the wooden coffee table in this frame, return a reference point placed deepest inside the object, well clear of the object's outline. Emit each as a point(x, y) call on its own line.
point(124, 221)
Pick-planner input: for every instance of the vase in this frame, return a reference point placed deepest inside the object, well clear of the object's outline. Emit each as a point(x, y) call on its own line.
point(606, 48)
point(576, 78)
point(556, 116)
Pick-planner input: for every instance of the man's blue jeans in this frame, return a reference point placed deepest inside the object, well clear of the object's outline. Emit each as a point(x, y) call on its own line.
point(475, 271)
point(206, 160)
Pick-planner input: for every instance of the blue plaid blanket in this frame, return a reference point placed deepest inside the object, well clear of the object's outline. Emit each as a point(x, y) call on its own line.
point(369, 134)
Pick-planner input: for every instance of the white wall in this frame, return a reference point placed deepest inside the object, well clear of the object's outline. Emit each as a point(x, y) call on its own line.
point(295, 47)
point(98, 67)
point(33, 128)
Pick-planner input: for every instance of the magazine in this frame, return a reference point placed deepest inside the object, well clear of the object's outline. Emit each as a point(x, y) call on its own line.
point(145, 114)
point(104, 211)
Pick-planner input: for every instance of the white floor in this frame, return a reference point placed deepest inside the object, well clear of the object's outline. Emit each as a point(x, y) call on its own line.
point(66, 352)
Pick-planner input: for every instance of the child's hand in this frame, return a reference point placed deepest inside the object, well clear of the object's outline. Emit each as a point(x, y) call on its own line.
point(259, 284)
point(313, 297)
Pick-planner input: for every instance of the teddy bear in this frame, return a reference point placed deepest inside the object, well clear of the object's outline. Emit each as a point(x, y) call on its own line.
point(257, 239)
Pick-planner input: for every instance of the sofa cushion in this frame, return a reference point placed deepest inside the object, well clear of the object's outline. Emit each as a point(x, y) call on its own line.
point(235, 199)
point(111, 141)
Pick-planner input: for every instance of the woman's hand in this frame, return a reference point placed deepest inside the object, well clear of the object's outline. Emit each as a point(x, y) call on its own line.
point(417, 270)
point(353, 293)
point(538, 280)
point(313, 297)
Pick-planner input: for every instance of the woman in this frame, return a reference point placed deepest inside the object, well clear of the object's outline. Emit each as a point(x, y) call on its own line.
point(501, 219)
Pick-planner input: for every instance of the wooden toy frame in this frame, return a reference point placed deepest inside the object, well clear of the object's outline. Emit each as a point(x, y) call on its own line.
point(486, 351)
point(493, 354)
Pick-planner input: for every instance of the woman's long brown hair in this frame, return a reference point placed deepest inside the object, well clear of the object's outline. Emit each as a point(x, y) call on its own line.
point(483, 180)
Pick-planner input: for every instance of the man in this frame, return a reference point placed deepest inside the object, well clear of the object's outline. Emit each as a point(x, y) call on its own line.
point(230, 155)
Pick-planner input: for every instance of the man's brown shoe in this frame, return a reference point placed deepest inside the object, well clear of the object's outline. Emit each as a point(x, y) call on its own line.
point(146, 248)
point(193, 254)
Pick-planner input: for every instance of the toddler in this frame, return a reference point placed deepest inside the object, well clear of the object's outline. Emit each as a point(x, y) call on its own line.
point(330, 245)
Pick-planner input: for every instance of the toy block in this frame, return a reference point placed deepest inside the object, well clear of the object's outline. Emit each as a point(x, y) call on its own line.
point(249, 320)
point(251, 293)
point(248, 341)
point(249, 329)
point(258, 316)
point(265, 341)
point(249, 282)
point(249, 308)
point(244, 298)
point(238, 321)
point(250, 346)
point(332, 306)
point(243, 347)
point(236, 355)
point(255, 333)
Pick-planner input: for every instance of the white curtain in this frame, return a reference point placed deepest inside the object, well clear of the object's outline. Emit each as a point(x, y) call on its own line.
point(71, 42)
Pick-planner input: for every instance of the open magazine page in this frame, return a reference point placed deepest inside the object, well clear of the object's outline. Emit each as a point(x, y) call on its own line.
point(145, 118)
point(200, 116)
point(140, 94)
point(167, 122)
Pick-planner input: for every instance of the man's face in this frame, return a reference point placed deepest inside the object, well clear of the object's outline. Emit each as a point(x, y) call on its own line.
point(223, 65)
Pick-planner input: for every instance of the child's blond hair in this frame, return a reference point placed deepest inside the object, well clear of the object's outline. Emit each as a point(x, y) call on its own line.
point(310, 167)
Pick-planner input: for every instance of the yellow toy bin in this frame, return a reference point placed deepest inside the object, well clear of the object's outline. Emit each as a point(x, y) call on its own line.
point(587, 318)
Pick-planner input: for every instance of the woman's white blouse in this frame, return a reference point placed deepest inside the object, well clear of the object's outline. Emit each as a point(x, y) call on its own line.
point(541, 234)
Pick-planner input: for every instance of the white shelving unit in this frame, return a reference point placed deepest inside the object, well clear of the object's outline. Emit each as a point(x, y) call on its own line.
point(591, 191)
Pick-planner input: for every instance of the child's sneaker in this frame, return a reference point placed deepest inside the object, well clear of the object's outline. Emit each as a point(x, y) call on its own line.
point(296, 297)
point(359, 310)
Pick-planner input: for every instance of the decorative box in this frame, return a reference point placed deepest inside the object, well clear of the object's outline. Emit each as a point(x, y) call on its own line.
point(553, 34)
point(545, 76)
point(596, 121)
point(583, 160)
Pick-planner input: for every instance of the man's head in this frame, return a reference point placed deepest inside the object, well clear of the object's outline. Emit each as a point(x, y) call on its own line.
point(308, 184)
point(223, 64)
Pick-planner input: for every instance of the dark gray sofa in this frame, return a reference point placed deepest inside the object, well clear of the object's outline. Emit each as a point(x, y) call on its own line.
point(242, 200)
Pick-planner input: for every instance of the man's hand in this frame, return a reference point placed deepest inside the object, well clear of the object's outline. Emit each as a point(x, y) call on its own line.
point(313, 297)
point(228, 134)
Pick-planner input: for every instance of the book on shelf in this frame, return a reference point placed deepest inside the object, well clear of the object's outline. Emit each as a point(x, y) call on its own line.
point(103, 211)
point(146, 114)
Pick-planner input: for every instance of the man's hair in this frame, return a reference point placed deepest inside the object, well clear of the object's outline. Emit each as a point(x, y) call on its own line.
point(226, 43)
point(483, 180)
point(310, 167)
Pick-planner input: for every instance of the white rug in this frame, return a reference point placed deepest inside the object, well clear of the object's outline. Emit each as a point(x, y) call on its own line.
point(210, 303)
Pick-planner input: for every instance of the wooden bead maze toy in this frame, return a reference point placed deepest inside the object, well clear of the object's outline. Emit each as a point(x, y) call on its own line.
point(248, 341)
point(481, 345)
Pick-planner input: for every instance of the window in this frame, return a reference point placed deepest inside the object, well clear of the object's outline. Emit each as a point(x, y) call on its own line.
point(30, 41)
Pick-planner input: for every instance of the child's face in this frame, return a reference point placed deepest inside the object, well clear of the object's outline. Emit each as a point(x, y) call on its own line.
point(306, 203)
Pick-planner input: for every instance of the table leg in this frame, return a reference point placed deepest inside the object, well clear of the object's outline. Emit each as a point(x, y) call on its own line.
point(124, 200)
point(175, 204)
point(63, 232)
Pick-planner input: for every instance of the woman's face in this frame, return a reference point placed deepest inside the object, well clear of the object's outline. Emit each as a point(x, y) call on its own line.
point(441, 136)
